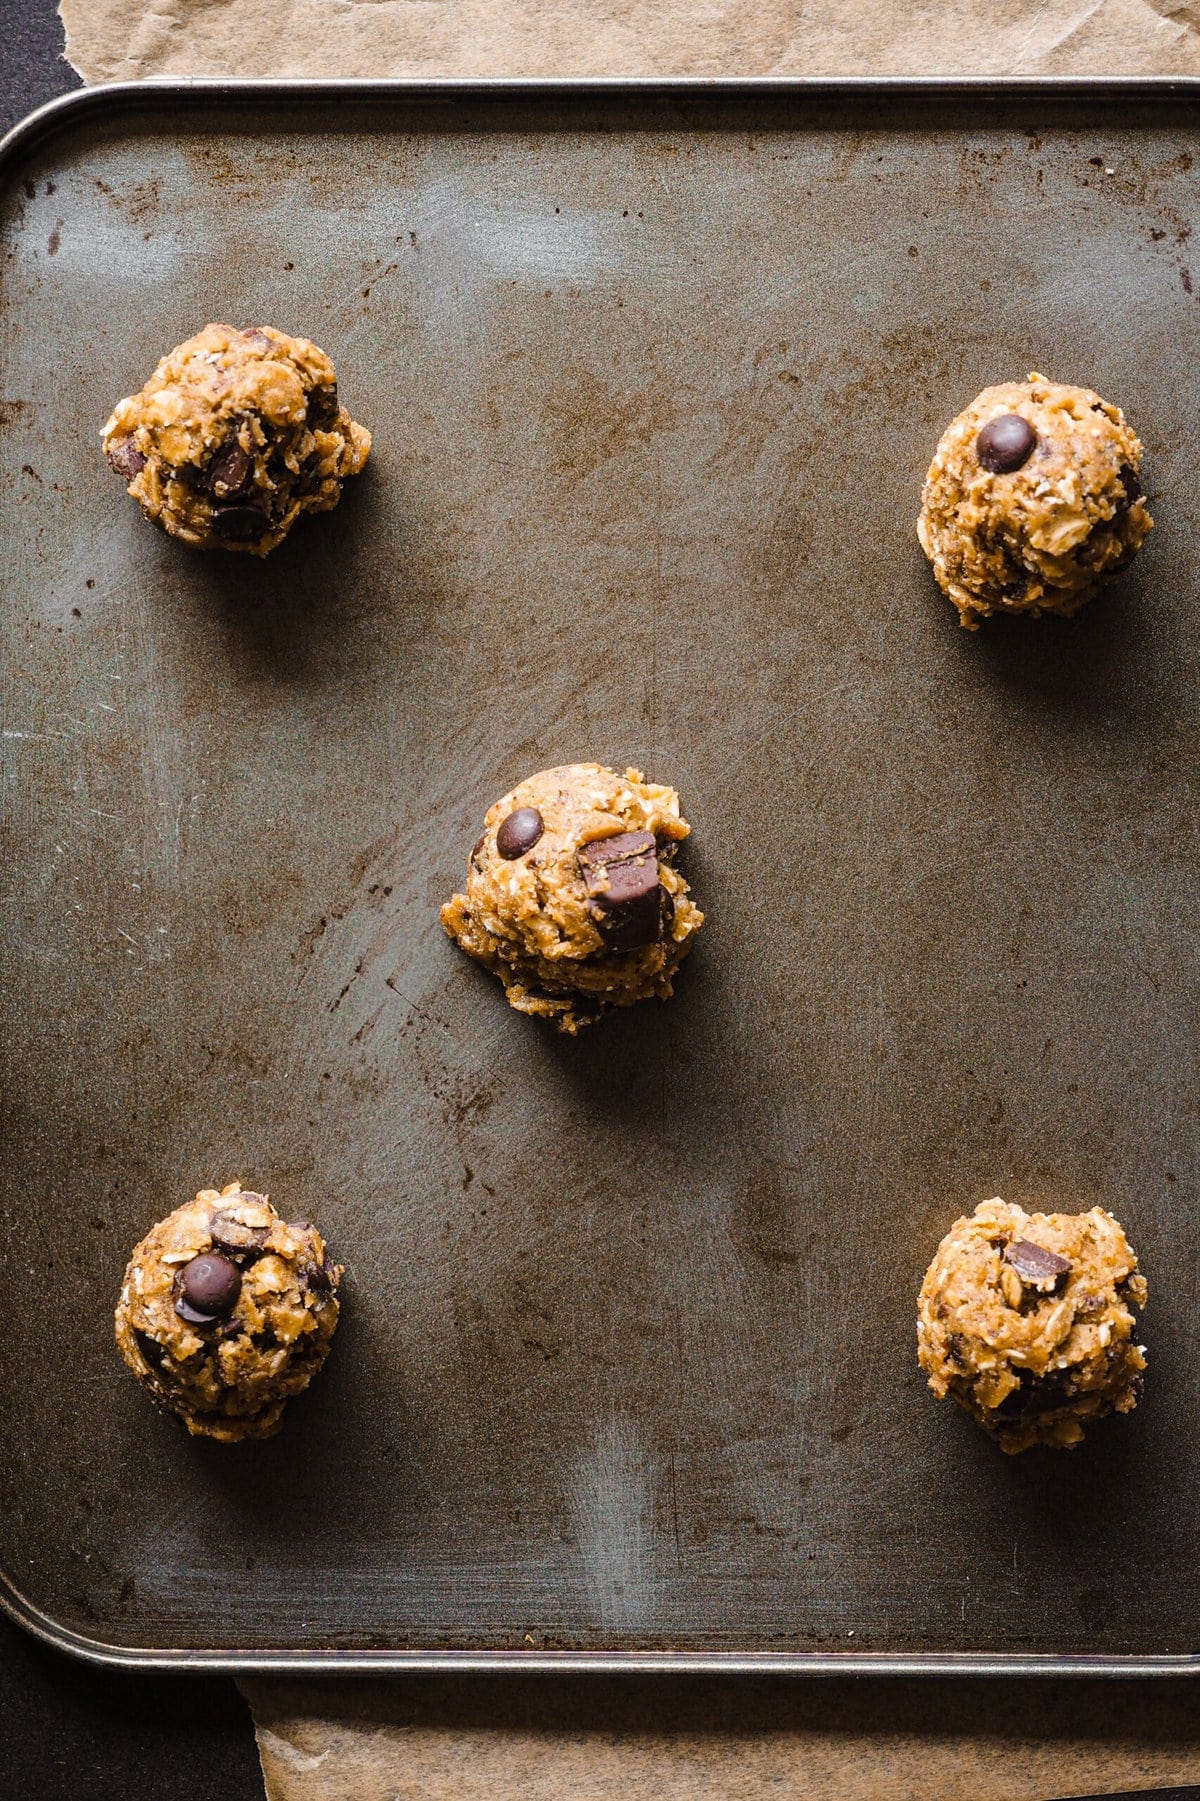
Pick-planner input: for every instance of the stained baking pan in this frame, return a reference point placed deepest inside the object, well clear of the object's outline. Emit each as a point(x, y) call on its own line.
point(626, 1375)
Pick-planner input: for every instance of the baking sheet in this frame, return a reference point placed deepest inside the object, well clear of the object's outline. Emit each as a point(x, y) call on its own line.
point(627, 1367)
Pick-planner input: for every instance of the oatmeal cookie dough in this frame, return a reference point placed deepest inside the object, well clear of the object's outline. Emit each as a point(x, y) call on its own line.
point(573, 898)
point(1032, 501)
point(1027, 1320)
point(234, 436)
point(226, 1311)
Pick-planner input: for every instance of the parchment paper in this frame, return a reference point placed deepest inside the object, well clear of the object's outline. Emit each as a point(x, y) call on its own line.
point(122, 40)
point(697, 1739)
point(744, 1740)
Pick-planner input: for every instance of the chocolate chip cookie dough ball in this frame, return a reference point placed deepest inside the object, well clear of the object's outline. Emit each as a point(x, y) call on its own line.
point(226, 1311)
point(1033, 500)
point(573, 898)
point(234, 436)
point(1027, 1320)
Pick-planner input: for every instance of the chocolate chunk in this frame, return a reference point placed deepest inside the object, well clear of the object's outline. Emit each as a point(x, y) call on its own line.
point(1038, 1394)
point(519, 832)
point(232, 1235)
point(479, 844)
point(621, 878)
point(1131, 489)
point(598, 857)
point(126, 460)
point(208, 1287)
point(322, 408)
point(154, 1353)
point(229, 472)
point(316, 1278)
point(1004, 444)
point(238, 523)
point(1036, 1265)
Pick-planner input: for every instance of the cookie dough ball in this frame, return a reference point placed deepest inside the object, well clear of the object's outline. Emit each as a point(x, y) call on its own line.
point(1027, 1320)
point(234, 436)
point(573, 898)
point(226, 1311)
point(1032, 501)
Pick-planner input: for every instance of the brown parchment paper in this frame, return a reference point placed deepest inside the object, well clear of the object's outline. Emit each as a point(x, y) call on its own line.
point(123, 40)
point(566, 1739)
point(700, 1738)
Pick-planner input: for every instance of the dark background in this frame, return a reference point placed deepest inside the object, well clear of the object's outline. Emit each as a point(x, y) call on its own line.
point(69, 1732)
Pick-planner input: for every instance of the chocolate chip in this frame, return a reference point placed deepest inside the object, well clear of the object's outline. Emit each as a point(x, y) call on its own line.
point(229, 472)
point(126, 460)
point(232, 1235)
point(479, 844)
point(154, 1353)
point(1036, 1265)
point(193, 1315)
point(1004, 444)
point(519, 832)
point(621, 878)
point(209, 1287)
point(237, 523)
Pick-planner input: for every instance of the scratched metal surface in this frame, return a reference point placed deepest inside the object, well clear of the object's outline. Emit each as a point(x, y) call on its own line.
point(627, 1361)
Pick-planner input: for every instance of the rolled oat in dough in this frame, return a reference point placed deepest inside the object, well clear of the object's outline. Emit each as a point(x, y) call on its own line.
point(226, 1311)
point(1027, 1320)
point(573, 898)
point(234, 436)
point(1033, 500)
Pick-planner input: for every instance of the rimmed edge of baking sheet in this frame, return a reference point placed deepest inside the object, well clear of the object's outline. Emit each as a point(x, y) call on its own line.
point(575, 1663)
point(117, 98)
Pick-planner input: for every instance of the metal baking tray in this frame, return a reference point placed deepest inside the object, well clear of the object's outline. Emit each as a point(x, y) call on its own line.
point(626, 1376)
